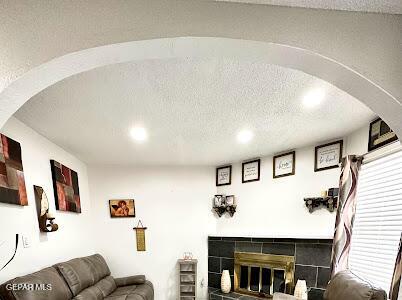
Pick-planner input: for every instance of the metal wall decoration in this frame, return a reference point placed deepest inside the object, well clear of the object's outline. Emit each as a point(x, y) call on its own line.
point(45, 219)
point(12, 182)
point(140, 236)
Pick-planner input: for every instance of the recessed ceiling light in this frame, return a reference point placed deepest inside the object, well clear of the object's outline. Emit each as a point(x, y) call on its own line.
point(313, 98)
point(245, 136)
point(139, 134)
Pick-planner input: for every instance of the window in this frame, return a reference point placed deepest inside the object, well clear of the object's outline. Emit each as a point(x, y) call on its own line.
point(378, 221)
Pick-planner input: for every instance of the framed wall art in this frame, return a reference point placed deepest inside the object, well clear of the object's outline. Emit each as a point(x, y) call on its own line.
point(122, 208)
point(380, 134)
point(328, 156)
point(12, 181)
point(284, 164)
point(251, 171)
point(223, 175)
point(66, 188)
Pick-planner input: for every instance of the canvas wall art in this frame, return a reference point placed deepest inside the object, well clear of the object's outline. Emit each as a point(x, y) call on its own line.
point(12, 181)
point(66, 189)
point(122, 208)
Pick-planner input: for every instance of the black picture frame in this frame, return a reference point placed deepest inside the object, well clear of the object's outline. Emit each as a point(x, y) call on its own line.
point(386, 128)
point(217, 175)
point(316, 167)
point(258, 161)
point(293, 172)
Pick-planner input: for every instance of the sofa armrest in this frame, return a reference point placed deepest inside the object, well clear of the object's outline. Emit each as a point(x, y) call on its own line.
point(130, 280)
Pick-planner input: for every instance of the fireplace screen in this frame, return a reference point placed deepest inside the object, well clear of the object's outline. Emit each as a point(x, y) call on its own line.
point(263, 274)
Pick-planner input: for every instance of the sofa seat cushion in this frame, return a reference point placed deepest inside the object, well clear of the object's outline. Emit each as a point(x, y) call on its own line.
point(49, 280)
point(77, 274)
point(133, 292)
point(91, 293)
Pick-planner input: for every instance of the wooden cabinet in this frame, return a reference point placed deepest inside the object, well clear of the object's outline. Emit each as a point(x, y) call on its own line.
point(188, 279)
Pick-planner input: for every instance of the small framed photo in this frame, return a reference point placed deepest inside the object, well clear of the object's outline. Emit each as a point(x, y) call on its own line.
point(122, 208)
point(328, 156)
point(380, 134)
point(223, 175)
point(219, 200)
point(251, 171)
point(230, 200)
point(284, 164)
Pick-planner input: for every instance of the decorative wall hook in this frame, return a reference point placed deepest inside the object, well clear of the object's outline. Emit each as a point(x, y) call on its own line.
point(45, 219)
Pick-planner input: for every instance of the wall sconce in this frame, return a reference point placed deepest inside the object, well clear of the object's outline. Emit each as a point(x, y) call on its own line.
point(224, 204)
point(45, 219)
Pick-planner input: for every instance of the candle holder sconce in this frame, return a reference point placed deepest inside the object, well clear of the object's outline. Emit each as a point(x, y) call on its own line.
point(45, 219)
point(224, 204)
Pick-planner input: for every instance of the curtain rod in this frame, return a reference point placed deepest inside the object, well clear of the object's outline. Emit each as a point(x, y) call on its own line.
point(382, 152)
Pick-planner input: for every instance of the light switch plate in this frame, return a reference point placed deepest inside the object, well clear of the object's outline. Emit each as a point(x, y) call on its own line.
point(26, 242)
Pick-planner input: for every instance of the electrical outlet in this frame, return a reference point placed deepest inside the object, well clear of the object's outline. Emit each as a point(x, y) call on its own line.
point(26, 242)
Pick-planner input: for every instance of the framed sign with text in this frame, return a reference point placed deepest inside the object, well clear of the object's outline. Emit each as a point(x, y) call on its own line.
point(223, 175)
point(284, 164)
point(328, 156)
point(251, 171)
point(380, 134)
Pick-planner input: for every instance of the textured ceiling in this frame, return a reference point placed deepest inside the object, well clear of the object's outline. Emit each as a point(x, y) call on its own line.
point(192, 109)
point(377, 6)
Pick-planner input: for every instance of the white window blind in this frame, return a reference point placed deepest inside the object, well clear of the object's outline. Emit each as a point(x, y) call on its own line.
point(378, 220)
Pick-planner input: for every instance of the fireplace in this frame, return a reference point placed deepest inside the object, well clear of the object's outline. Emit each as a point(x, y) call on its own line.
point(263, 274)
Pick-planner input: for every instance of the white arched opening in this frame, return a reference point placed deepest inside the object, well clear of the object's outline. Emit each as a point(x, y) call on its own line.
point(343, 77)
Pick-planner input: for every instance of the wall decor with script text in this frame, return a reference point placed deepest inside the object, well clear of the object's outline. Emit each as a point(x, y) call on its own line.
point(223, 175)
point(140, 236)
point(251, 171)
point(66, 190)
point(328, 156)
point(12, 181)
point(284, 164)
point(380, 135)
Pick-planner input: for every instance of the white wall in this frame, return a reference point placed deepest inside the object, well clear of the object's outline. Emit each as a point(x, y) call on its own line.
point(172, 202)
point(275, 207)
point(73, 237)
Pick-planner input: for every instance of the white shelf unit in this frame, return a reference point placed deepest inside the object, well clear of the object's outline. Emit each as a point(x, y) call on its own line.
point(188, 279)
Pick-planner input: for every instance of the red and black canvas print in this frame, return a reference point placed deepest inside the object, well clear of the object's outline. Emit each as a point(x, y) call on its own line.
point(66, 190)
point(12, 181)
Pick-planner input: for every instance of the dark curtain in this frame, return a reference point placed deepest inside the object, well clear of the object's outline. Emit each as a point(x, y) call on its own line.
point(396, 279)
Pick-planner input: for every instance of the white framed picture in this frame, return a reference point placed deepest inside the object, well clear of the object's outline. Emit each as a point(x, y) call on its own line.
point(251, 171)
point(284, 164)
point(223, 175)
point(328, 156)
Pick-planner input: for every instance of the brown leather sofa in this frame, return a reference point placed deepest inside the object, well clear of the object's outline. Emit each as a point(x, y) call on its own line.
point(85, 278)
point(347, 286)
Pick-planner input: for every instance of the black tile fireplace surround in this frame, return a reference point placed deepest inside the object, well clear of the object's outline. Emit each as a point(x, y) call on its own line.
point(312, 256)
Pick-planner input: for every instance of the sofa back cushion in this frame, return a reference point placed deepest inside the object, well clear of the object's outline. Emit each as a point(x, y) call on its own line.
point(106, 285)
point(46, 284)
point(98, 266)
point(346, 285)
point(77, 273)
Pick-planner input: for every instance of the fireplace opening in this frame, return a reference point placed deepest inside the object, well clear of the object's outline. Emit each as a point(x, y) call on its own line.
point(263, 274)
